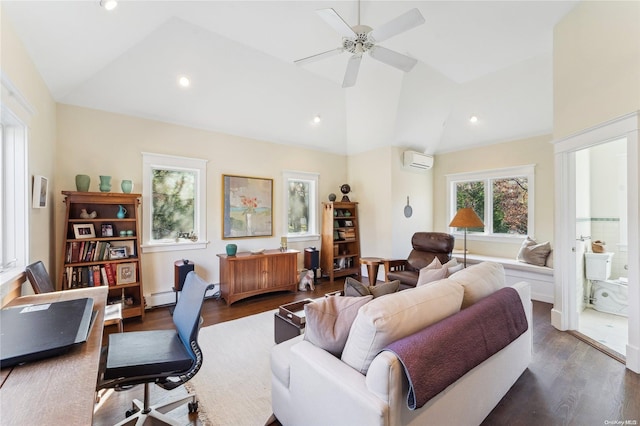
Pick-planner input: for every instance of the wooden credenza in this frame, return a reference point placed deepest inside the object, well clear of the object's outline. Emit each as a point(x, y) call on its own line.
point(246, 274)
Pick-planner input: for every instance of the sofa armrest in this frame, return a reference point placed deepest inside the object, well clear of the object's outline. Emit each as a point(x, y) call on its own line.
point(318, 379)
point(394, 265)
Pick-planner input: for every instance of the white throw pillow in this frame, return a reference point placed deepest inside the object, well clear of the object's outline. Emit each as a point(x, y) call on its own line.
point(452, 266)
point(429, 275)
point(431, 272)
point(394, 316)
point(479, 281)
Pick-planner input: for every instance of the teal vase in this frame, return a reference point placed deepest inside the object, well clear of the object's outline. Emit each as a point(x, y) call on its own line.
point(231, 249)
point(122, 212)
point(127, 186)
point(82, 183)
point(105, 183)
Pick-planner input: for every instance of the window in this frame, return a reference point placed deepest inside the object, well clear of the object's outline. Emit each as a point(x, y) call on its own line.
point(14, 184)
point(301, 205)
point(174, 202)
point(502, 198)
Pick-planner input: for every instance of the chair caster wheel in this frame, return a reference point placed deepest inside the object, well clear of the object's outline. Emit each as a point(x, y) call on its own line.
point(130, 413)
point(193, 407)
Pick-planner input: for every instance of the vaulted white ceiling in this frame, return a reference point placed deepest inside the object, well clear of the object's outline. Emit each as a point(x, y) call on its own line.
point(492, 59)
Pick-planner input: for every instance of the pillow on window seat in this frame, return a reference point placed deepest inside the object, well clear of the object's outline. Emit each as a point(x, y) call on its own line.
point(533, 253)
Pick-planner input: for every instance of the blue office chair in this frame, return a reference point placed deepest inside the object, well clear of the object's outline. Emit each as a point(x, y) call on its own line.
point(168, 358)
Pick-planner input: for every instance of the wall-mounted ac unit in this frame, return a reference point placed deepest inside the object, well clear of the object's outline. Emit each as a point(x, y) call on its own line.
point(417, 161)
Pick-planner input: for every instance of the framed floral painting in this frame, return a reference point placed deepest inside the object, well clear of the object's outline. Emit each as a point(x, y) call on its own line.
point(247, 207)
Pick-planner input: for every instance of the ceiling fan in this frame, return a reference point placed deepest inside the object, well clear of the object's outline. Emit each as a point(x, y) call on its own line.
point(360, 39)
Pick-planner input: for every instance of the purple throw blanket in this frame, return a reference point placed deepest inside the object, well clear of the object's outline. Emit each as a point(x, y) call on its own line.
point(440, 354)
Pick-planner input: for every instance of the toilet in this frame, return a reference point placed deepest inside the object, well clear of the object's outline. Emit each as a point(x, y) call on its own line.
point(610, 296)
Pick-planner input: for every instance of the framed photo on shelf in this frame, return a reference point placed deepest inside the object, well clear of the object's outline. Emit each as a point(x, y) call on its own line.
point(348, 223)
point(128, 245)
point(84, 230)
point(106, 230)
point(117, 253)
point(247, 205)
point(126, 273)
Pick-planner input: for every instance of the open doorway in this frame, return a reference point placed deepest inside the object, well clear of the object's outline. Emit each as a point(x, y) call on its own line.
point(571, 244)
point(601, 246)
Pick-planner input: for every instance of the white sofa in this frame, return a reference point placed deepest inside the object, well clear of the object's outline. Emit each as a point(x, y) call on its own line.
point(310, 386)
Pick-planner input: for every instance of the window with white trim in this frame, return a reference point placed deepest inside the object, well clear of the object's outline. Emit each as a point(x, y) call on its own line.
point(173, 202)
point(14, 199)
point(300, 205)
point(502, 198)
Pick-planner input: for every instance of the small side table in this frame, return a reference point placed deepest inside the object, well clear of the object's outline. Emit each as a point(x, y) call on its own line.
point(373, 263)
point(289, 321)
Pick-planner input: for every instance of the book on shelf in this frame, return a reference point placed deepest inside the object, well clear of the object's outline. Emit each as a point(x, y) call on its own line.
point(111, 276)
point(74, 249)
point(97, 281)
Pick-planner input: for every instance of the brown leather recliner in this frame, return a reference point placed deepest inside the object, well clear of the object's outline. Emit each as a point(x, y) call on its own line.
point(426, 247)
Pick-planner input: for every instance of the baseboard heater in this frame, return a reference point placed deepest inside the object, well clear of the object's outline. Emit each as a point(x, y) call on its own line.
point(166, 298)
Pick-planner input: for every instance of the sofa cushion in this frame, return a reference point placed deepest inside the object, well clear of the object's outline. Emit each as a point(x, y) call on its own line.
point(355, 288)
point(534, 253)
point(479, 281)
point(328, 321)
point(397, 315)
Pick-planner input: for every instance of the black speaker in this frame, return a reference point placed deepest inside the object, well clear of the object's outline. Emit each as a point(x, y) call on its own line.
point(312, 260)
point(181, 269)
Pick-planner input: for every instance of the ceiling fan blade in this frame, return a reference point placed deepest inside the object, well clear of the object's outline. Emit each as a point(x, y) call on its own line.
point(402, 23)
point(332, 18)
point(351, 74)
point(395, 59)
point(319, 56)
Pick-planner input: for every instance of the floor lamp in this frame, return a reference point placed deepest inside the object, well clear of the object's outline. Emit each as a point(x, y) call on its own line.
point(466, 218)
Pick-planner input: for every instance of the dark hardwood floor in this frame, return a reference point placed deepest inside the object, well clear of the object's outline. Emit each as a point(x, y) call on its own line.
point(568, 382)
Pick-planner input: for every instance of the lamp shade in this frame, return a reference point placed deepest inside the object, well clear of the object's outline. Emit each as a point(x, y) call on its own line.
point(466, 218)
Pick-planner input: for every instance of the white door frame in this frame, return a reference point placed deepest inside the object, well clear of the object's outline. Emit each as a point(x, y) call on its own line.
point(564, 315)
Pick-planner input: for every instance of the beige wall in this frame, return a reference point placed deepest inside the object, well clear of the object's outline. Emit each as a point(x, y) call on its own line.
point(537, 150)
point(100, 143)
point(18, 68)
point(596, 65)
point(381, 185)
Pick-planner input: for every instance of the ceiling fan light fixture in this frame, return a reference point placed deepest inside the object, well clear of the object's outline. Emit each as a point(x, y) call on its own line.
point(108, 4)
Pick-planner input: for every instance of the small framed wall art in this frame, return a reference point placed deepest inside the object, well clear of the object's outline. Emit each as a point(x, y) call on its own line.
point(247, 207)
point(40, 192)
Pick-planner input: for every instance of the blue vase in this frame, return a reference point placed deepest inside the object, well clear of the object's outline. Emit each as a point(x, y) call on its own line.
point(122, 212)
point(231, 249)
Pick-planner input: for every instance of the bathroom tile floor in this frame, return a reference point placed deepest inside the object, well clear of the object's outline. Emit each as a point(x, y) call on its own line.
point(608, 329)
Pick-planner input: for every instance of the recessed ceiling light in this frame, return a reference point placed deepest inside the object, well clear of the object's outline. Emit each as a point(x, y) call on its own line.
point(184, 81)
point(473, 119)
point(317, 119)
point(109, 4)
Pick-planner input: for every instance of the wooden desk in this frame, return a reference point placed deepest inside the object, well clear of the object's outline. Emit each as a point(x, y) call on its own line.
point(59, 390)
